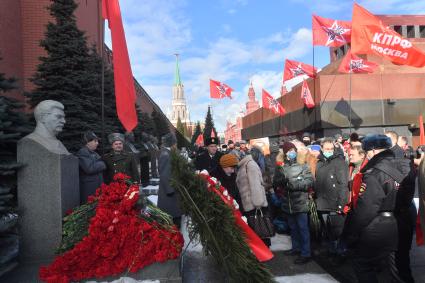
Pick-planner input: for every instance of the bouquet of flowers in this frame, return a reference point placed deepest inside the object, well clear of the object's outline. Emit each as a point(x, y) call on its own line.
point(118, 237)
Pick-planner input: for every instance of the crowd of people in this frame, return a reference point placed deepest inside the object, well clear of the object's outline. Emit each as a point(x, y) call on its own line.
point(362, 188)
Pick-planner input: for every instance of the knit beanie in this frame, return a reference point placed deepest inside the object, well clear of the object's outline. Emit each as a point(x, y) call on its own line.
point(228, 160)
point(287, 146)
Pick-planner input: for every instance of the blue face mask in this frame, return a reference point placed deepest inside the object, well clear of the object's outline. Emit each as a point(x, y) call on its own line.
point(328, 154)
point(292, 155)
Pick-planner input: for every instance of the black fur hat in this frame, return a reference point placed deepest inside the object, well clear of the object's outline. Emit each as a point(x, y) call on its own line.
point(376, 142)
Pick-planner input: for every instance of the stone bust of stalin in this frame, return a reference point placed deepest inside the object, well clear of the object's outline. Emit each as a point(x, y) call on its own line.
point(50, 118)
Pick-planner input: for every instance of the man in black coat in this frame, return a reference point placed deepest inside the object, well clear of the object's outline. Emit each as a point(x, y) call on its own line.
point(208, 160)
point(371, 228)
point(331, 190)
point(119, 161)
point(91, 166)
point(168, 199)
point(405, 221)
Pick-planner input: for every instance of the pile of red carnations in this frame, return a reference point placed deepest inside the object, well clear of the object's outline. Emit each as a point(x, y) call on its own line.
point(118, 240)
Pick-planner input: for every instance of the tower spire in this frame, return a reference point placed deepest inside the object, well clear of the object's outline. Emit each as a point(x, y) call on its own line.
point(177, 79)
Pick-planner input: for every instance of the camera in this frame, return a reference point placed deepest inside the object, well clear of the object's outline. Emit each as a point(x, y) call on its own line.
point(410, 153)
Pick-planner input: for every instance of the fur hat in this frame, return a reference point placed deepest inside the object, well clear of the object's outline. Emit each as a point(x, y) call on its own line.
point(376, 142)
point(89, 136)
point(168, 140)
point(228, 160)
point(116, 137)
point(211, 140)
point(287, 146)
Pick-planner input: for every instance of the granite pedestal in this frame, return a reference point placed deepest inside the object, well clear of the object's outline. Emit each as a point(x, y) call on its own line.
point(48, 186)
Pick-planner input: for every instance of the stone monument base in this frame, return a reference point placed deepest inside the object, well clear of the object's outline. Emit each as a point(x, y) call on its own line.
point(48, 186)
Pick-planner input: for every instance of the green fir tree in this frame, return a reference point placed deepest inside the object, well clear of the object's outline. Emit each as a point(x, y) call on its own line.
point(161, 124)
point(13, 126)
point(209, 125)
point(145, 125)
point(70, 74)
point(182, 141)
point(197, 132)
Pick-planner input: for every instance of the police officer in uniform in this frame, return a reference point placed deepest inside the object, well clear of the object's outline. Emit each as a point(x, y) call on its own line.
point(119, 161)
point(371, 228)
point(209, 159)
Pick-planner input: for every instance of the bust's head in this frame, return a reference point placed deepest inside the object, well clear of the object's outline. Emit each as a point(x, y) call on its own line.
point(50, 114)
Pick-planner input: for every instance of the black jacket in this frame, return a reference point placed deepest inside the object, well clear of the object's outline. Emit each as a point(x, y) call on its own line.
point(365, 229)
point(229, 182)
point(91, 172)
point(331, 186)
point(407, 185)
point(295, 180)
point(204, 161)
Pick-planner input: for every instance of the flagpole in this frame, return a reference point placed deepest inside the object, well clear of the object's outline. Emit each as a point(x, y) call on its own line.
point(382, 99)
point(349, 97)
point(314, 97)
point(102, 89)
point(262, 121)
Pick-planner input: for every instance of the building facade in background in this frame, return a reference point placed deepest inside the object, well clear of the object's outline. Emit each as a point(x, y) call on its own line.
point(179, 107)
point(391, 98)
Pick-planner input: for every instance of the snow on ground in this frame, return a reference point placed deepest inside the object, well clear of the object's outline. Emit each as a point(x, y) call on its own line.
point(153, 199)
point(280, 243)
point(306, 278)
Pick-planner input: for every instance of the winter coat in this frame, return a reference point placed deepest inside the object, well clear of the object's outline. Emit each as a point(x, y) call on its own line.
point(421, 192)
point(250, 184)
point(91, 172)
point(205, 162)
point(168, 199)
point(331, 186)
point(122, 162)
point(229, 182)
point(366, 230)
point(295, 179)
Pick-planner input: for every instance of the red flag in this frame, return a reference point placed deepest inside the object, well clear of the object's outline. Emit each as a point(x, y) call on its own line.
point(212, 133)
point(125, 94)
point(369, 35)
point(421, 130)
point(294, 69)
point(354, 64)
point(306, 95)
point(270, 103)
point(220, 90)
point(332, 33)
point(200, 140)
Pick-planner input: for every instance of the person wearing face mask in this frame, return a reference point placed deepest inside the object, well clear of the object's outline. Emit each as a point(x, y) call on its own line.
point(226, 174)
point(91, 166)
point(295, 179)
point(331, 192)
